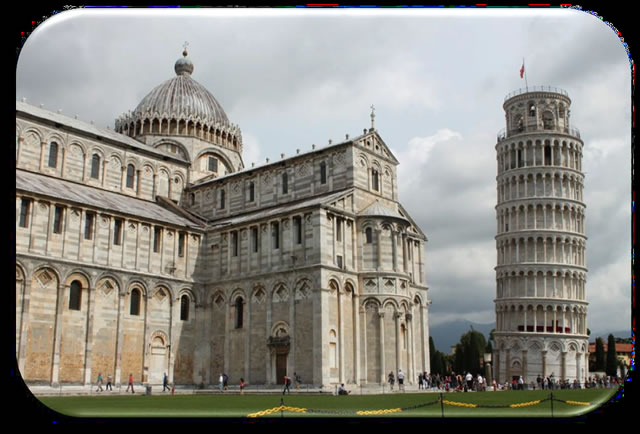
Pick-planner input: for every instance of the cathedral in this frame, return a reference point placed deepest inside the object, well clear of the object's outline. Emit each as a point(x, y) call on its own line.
point(150, 248)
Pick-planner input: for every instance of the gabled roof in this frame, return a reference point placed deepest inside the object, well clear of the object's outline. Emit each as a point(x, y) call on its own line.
point(81, 194)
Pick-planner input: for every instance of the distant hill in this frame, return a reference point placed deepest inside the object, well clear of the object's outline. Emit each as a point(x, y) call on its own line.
point(448, 334)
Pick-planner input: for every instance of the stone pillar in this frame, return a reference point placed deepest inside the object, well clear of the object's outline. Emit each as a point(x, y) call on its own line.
point(397, 317)
point(119, 333)
point(563, 367)
point(394, 248)
point(146, 350)
point(410, 349)
point(525, 367)
point(356, 337)
point(57, 333)
point(89, 337)
point(382, 364)
point(340, 295)
point(544, 363)
point(363, 324)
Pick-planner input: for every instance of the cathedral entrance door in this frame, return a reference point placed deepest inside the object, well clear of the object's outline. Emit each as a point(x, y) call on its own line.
point(158, 364)
point(281, 367)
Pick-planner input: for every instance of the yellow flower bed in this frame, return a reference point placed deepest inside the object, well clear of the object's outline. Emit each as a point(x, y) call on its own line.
point(378, 412)
point(277, 409)
point(525, 404)
point(459, 404)
point(578, 403)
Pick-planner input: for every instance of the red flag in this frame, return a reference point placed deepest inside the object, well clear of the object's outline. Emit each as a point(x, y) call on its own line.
point(522, 70)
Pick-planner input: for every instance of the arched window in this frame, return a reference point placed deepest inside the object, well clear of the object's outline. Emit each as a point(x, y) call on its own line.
point(131, 173)
point(75, 295)
point(134, 304)
point(323, 173)
point(375, 182)
point(368, 235)
point(184, 308)
point(532, 109)
point(239, 312)
point(95, 166)
point(222, 199)
point(53, 154)
point(252, 191)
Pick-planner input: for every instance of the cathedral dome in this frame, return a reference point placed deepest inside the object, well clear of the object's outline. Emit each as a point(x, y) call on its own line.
point(181, 106)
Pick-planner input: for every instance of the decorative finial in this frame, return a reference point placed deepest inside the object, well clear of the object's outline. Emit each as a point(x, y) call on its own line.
point(185, 45)
point(373, 118)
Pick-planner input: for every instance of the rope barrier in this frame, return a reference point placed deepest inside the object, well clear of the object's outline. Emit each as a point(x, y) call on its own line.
point(380, 412)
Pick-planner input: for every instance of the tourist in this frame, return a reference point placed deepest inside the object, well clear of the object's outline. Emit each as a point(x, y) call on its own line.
point(130, 383)
point(242, 386)
point(392, 379)
point(109, 383)
point(469, 379)
point(287, 382)
point(400, 380)
point(99, 389)
point(342, 390)
point(165, 383)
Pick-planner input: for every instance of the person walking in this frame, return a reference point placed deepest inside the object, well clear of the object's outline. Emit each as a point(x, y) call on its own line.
point(391, 380)
point(297, 380)
point(287, 383)
point(469, 379)
point(165, 383)
point(242, 384)
point(400, 380)
point(221, 382)
point(99, 389)
point(109, 383)
point(130, 383)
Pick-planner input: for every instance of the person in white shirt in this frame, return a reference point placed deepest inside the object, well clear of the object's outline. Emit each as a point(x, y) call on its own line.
point(469, 379)
point(400, 380)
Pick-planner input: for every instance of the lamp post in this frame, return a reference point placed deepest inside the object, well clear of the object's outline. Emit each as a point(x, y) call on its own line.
point(487, 371)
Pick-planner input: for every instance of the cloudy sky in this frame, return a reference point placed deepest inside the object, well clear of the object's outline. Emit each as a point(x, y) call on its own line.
point(438, 78)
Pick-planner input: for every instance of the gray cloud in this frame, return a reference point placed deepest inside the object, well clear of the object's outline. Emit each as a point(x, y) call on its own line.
point(438, 80)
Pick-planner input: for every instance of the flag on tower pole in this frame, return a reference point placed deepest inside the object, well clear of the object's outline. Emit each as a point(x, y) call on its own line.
point(523, 73)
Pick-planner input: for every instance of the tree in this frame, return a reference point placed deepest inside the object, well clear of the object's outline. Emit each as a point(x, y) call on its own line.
point(600, 356)
point(612, 359)
point(469, 352)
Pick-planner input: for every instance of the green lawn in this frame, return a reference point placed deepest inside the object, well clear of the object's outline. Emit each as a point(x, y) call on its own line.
point(238, 406)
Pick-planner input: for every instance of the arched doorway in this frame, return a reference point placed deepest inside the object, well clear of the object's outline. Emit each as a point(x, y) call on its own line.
point(158, 364)
point(279, 343)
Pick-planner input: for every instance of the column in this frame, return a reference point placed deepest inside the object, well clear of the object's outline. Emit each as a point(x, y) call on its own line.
point(394, 248)
point(57, 335)
point(145, 349)
point(525, 367)
point(397, 317)
point(89, 336)
point(363, 324)
point(356, 337)
point(379, 249)
point(404, 252)
point(340, 294)
point(119, 338)
point(410, 349)
point(382, 365)
point(544, 363)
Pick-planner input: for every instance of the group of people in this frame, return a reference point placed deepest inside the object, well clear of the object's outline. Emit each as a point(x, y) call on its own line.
point(100, 381)
point(392, 380)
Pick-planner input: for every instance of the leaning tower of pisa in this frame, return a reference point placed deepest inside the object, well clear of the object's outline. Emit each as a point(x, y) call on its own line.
point(541, 307)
